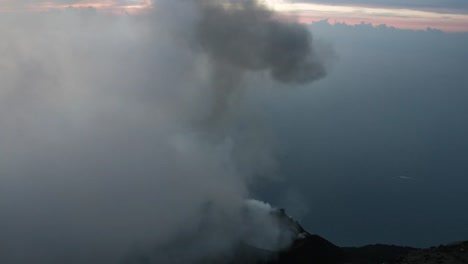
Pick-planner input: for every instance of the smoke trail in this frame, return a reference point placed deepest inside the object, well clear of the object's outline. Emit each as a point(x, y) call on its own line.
point(101, 148)
point(246, 35)
point(237, 37)
point(243, 35)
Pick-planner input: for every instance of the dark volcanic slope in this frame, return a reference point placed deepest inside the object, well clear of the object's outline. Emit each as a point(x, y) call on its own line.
point(305, 249)
point(379, 253)
point(317, 250)
point(311, 249)
point(456, 253)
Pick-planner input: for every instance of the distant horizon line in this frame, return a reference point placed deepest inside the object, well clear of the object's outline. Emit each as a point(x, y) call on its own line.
point(307, 13)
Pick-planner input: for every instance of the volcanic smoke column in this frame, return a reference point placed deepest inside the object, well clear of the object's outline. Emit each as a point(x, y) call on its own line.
point(244, 35)
point(236, 38)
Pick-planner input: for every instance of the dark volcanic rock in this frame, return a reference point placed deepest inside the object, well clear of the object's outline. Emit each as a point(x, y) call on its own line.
point(311, 249)
point(379, 253)
point(304, 248)
point(455, 253)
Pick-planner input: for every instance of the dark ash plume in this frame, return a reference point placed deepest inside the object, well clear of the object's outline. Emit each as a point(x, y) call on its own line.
point(247, 36)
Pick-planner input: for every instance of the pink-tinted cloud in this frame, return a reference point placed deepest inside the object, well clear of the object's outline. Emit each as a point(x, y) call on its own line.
point(305, 12)
point(112, 6)
point(396, 17)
